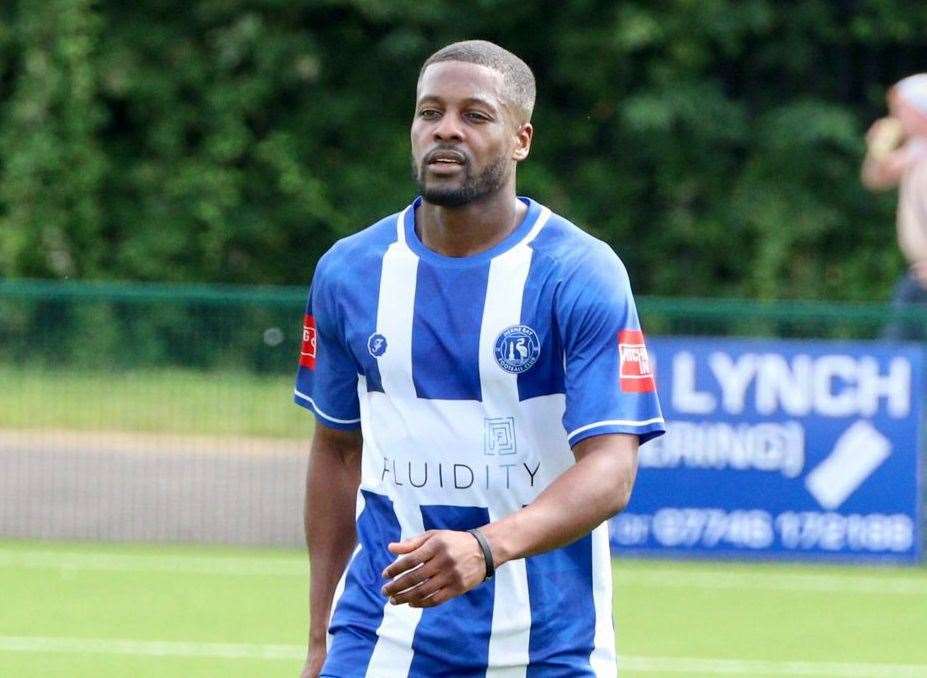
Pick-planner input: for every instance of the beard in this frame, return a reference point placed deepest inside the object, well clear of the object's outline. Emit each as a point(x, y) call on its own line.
point(473, 188)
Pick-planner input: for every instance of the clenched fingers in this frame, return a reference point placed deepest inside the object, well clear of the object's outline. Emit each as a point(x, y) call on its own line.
point(410, 578)
point(419, 593)
point(409, 562)
point(442, 595)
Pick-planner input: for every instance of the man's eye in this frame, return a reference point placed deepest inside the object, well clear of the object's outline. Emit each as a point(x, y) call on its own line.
point(428, 113)
point(477, 117)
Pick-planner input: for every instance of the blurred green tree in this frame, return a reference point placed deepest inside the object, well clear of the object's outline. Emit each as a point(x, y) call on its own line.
point(714, 143)
point(51, 224)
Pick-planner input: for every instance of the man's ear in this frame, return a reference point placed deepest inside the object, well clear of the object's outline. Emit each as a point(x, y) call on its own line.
point(523, 142)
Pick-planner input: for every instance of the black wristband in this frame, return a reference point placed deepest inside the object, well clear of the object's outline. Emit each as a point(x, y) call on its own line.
point(487, 552)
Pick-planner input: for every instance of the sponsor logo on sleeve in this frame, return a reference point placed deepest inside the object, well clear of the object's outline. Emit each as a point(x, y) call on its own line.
point(310, 338)
point(635, 373)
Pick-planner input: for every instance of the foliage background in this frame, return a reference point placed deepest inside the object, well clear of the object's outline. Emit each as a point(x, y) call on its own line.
point(714, 143)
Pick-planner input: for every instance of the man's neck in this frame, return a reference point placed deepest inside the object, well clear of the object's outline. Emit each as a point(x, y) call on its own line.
point(472, 228)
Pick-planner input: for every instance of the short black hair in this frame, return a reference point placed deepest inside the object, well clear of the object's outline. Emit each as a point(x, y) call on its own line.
point(518, 79)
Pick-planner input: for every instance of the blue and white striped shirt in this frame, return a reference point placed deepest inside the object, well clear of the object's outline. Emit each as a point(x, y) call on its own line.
point(471, 378)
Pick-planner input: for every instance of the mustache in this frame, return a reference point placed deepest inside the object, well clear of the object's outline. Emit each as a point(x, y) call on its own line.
point(445, 152)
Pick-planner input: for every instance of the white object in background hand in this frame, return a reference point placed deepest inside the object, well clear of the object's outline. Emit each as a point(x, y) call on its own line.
point(884, 136)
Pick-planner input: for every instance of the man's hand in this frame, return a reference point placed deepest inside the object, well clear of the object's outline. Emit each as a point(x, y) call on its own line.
point(314, 661)
point(887, 157)
point(884, 136)
point(433, 567)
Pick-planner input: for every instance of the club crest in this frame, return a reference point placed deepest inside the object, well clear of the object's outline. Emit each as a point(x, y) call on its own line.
point(517, 349)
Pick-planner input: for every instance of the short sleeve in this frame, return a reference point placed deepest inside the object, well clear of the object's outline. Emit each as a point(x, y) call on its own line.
point(609, 378)
point(327, 375)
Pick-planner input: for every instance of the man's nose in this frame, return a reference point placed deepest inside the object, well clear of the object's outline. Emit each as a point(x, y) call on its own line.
point(448, 128)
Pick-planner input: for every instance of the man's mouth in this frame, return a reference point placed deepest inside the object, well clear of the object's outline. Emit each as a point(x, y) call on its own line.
point(445, 158)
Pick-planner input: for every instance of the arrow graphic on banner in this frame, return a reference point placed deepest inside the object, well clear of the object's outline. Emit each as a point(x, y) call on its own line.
point(856, 455)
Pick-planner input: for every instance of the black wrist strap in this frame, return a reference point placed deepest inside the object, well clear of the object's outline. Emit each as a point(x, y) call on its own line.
point(487, 552)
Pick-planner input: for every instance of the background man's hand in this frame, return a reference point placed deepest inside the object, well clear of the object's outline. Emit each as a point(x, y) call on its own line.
point(884, 136)
point(433, 567)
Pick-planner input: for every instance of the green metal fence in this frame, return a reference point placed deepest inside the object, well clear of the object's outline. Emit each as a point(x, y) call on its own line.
point(117, 326)
point(157, 412)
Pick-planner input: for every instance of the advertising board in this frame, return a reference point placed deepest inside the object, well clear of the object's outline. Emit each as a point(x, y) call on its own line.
point(781, 449)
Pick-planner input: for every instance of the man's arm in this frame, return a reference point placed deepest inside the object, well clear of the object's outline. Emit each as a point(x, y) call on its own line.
point(595, 488)
point(331, 488)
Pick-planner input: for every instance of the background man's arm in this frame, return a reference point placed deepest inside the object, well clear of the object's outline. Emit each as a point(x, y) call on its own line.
point(595, 488)
point(331, 489)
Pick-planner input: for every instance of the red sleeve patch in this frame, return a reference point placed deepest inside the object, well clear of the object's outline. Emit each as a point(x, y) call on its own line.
point(308, 349)
point(635, 372)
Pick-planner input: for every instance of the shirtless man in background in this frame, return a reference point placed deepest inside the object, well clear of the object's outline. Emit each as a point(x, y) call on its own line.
point(896, 155)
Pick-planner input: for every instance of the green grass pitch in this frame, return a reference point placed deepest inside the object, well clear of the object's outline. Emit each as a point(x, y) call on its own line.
point(193, 612)
point(154, 401)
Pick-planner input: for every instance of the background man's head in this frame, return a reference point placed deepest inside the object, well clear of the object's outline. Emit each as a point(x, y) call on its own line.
point(474, 102)
point(908, 102)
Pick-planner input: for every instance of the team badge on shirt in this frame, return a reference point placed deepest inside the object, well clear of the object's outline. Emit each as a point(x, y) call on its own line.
point(376, 345)
point(635, 371)
point(310, 339)
point(517, 349)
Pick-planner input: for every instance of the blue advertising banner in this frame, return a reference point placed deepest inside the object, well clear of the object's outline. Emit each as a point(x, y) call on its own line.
point(781, 449)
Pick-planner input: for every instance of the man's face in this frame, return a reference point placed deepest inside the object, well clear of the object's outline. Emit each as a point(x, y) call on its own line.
point(465, 137)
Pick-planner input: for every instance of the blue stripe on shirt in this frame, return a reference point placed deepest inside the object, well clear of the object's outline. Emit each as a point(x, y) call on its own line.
point(360, 609)
point(446, 331)
point(562, 612)
point(452, 639)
